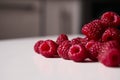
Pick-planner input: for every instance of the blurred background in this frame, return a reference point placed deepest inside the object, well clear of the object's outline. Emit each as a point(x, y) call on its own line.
point(30, 18)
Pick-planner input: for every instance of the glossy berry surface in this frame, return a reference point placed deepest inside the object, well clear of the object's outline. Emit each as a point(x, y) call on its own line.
point(48, 48)
point(63, 49)
point(77, 53)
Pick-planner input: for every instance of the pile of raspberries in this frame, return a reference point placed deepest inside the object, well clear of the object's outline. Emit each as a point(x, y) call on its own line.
point(101, 42)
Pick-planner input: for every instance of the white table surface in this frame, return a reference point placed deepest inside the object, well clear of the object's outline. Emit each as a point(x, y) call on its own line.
point(18, 61)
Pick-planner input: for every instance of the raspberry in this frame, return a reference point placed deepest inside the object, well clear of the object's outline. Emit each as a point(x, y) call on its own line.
point(93, 30)
point(93, 48)
point(109, 45)
point(76, 40)
point(61, 38)
point(77, 53)
point(89, 44)
point(111, 34)
point(79, 40)
point(110, 54)
point(111, 58)
point(84, 40)
point(36, 46)
point(111, 19)
point(48, 48)
point(63, 49)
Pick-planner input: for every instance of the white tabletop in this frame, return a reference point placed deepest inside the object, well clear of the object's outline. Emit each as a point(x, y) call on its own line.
point(18, 61)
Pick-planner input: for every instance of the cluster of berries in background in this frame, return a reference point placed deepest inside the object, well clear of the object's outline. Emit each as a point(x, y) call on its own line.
point(101, 42)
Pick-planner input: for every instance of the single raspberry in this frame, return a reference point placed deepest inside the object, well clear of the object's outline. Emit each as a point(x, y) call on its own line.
point(76, 40)
point(84, 40)
point(48, 48)
point(110, 54)
point(77, 53)
point(36, 46)
point(111, 34)
point(89, 44)
point(111, 57)
point(109, 45)
point(61, 38)
point(93, 48)
point(93, 30)
point(80, 40)
point(63, 49)
point(111, 19)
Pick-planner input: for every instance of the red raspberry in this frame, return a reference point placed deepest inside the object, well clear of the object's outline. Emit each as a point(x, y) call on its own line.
point(93, 48)
point(63, 49)
point(84, 40)
point(37, 44)
point(89, 44)
point(61, 38)
point(110, 54)
point(77, 53)
point(109, 45)
point(111, 58)
point(48, 48)
point(80, 40)
point(111, 19)
point(76, 40)
point(93, 30)
point(111, 34)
